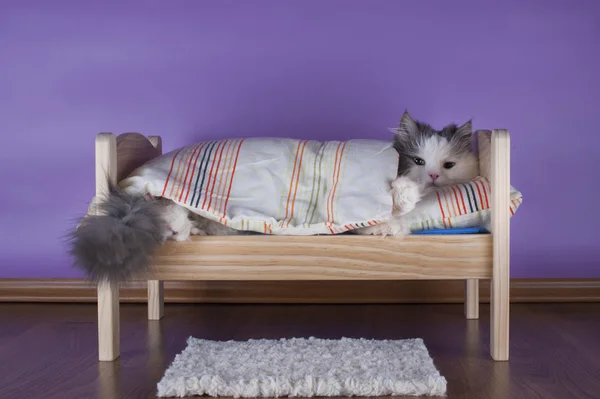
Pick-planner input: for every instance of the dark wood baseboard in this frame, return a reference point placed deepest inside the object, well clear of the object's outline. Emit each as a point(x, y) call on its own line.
point(439, 291)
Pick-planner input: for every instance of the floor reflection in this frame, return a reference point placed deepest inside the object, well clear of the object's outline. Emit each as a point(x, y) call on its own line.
point(110, 384)
point(117, 379)
point(156, 347)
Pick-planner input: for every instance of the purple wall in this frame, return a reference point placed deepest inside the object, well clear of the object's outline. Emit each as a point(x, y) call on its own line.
point(192, 70)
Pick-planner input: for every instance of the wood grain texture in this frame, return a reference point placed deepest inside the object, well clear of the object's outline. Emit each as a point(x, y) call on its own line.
point(48, 350)
point(74, 290)
point(472, 299)
point(156, 142)
point(106, 162)
point(156, 299)
point(344, 257)
point(108, 294)
point(134, 150)
point(484, 144)
point(500, 204)
point(108, 322)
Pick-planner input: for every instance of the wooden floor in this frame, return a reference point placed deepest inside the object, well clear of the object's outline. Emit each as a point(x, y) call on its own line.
point(49, 351)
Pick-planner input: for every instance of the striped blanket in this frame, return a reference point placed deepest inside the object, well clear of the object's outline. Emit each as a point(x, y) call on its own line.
point(276, 186)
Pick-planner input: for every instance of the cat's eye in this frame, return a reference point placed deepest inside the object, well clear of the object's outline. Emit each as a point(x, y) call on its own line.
point(449, 165)
point(419, 161)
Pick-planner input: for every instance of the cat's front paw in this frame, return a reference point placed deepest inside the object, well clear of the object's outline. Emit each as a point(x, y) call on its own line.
point(393, 227)
point(398, 227)
point(406, 194)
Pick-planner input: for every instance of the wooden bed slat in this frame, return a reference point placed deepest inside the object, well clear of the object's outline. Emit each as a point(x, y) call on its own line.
point(325, 258)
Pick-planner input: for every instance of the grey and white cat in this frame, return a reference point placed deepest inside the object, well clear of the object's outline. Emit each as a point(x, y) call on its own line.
point(428, 158)
point(120, 242)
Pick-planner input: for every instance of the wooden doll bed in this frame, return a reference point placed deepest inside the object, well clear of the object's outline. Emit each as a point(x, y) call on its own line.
point(469, 257)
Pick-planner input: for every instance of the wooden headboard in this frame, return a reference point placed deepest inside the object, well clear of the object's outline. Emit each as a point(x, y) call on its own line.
point(134, 150)
point(118, 156)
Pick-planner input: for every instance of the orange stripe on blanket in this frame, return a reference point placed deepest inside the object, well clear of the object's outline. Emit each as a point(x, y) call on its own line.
point(331, 230)
point(515, 207)
point(169, 175)
point(217, 171)
point(480, 197)
point(194, 170)
point(449, 202)
point(176, 178)
point(232, 174)
point(462, 199)
point(185, 179)
point(450, 206)
point(227, 179)
point(456, 198)
point(441, 208)
point(297, 181)
point(483, 187)
point(224, 171)
point(287, 204)
point(337, 151)
point(212, 166)
point(337, 179)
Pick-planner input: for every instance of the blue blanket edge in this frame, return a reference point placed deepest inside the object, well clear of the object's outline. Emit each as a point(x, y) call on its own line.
point(465, 230)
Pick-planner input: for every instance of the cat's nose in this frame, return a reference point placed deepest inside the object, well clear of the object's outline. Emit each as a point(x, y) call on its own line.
point(434, 176)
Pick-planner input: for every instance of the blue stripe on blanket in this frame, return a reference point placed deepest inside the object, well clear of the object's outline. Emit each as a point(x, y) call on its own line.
point(466, 230)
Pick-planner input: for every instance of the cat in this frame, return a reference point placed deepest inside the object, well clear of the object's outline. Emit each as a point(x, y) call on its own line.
point(428, 159)
point(120, 241)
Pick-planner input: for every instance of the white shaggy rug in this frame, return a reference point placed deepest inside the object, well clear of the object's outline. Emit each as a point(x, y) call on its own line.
point(303, 367)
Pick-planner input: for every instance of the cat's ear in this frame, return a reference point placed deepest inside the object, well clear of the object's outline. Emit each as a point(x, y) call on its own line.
point(464, 131)
point(407, 127)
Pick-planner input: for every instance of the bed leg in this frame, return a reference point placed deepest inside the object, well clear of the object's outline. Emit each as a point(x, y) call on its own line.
point(156, 299)
point(108, 321)
point(500, 284)
point(472, 298)
point(499, 317)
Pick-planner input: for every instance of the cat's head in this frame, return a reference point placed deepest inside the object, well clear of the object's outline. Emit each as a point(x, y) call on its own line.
point(435, 157)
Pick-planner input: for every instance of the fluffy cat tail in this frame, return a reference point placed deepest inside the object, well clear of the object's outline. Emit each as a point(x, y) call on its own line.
point(120, 241)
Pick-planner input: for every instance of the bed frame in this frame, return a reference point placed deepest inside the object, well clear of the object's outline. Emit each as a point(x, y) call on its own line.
point(344, 257)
